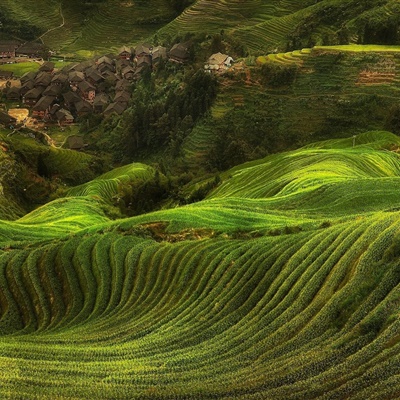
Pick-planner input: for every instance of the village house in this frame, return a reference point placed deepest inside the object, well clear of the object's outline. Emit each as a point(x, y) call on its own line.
point(52, 90)
point(6, 75)
point(75, 77)
point(219, 62)
point(53, 110)
point(179, 53)
point(143, 49)
point(7, 50)
point(105, 63)
point(32, 97)
point(70, 99)
point(94, 78)
point(87, 91)
point(122, 84)
point(128, 73)
point(159, 53)
point(42, 79)
point(31, 50)
point(100, 103)
point(7, 120)
point(115, 108)
point(47, 66)
point(122, 97)
point(28, 76)
point(42, 108)
point(83, 107)
point(64, 117)
point(143, 61)
point(26, 87)
point(13, 93)
point(59, 79)
point(121, 64)
point(125, 53)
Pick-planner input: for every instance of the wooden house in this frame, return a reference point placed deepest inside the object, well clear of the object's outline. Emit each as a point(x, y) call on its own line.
point(42, 79)
point(42, 108)
point(143, 49)
point(83, 107)
point(115, 108)
point(219, 62)
point(6, 75)
point(32, 97)
point(7, 50)
point(179, 53)
point(159, 53)
point(7, 120)
point(31, 50)
point(28, 76)
point(26, 87)
point(47, 66)
point(125, 53)
point(64, 117)
point(70, 99)
point(59, 79)
point(13, 93)
point(128, 73)
point(122, 97)
point(100, 103)
point(94, 78)
point(53, 90)
point(87, 91)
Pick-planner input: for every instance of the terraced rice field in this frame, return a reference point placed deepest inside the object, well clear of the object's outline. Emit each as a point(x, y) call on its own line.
point(282, 284)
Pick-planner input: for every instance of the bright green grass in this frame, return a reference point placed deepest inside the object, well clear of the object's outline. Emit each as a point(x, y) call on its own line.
point(361, 48)
point(232, 301)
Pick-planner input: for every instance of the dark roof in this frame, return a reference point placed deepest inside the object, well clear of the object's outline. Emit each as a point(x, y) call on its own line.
point(44, 103)
point(6, 74)
point(11, 42)
point(122, 96)
point(75, 142)
point(85, 86)
point(117, 108)
point(30, 48)
point(110, 76)
point(42, 79)
point(28, 76)
point(125, 49)
point(59, 78)
point(143, 48)
point(7, 48)
point(71, 97)
point(95, 76)
point(52, 90)
point(34, 93)
point(13, 92)
point(179, 52)
point(143, 60)
point(122, 63)
point(122, 84)
point(54, 108)
point(101, 99)
point(83, 106)
point(105, 60)
point(64, 114)
point(6, 119)
point(159, 52)
point(47, 66)
point(76, 76)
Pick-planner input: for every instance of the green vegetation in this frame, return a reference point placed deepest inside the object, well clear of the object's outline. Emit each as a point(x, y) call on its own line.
point(282, 283)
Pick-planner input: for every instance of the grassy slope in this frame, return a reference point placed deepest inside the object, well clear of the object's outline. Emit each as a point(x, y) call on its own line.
point(192, 303)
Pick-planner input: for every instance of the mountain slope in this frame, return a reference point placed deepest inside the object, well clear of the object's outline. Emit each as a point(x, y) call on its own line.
point(283, 283)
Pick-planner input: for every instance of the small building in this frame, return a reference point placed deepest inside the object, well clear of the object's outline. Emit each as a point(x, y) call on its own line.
point(32, 97)
point(42, 79)
point(70, 99)
point(28, 76)
point(125, 53)
point(7, 120)
point(143, 61)
point(7, 50)
point(75, 142)
point(26, 87)
point(53, 110)
point(47, 66)
point(87, 91)
point(31, 50)
point(75, 77)
point(128, 73)
point(83, 107)
point(13, 93)
point(122, 84)
point(179, 53)
point(6, 75)
point(121, 64)
point(122, 97)
point(94, 78)
point(159, 53)
point(42, 108)
point(52, 90)
point(105, 63)
point(59, 79)
point(115, 108)
point(64, 117)
point(219, 62)
point(100, 103)
point(143, 49)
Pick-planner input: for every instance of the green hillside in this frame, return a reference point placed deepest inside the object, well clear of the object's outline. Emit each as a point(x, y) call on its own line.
point(281, 284)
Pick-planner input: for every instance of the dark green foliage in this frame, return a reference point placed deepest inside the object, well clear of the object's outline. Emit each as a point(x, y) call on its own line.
point(392, 122)
point(277, 75)
point(23, 30)
point(179, 5)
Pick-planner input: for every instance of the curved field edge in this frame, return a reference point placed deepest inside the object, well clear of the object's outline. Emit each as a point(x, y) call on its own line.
point(283, 283)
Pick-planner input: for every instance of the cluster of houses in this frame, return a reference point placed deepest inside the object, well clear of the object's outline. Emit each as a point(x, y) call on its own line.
point(101, 85)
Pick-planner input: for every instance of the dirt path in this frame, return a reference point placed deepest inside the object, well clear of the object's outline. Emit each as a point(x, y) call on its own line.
point(57, 27)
